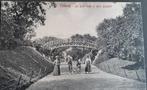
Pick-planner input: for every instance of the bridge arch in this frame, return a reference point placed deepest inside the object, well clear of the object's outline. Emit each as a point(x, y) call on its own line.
point(70, 43)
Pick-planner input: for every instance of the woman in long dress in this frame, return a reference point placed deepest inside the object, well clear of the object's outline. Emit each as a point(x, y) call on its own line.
point(69, 62)
point(79, 65)
point(56, 71)
point(88, 64)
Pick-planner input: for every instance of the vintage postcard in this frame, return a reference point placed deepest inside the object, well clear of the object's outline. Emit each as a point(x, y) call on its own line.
point(71, 46)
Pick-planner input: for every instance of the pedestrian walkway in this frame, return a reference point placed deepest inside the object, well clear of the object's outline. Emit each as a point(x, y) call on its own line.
point(97, 80)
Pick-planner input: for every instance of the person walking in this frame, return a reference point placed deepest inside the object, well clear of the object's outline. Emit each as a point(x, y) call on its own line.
point(69, 62)
point(88, 65)
point(79, 65)
point(56, 70)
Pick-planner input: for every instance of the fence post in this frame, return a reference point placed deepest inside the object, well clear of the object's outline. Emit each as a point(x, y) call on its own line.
point(125, 73)
point(137, 75)
point(39, 72)
point(45, 69)
point(98, 65)
point(105, 68)
point(18, 83)
point(118, 70)
point(108, 68)
point(115, 68)
point(31, 76)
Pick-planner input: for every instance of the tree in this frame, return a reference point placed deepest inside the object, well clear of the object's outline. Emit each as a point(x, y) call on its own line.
point(80, 52)
point(87, 37)
point(18, 21)
point(39, 45)
point(77, 36)
point(123, 35)
point(44, 40)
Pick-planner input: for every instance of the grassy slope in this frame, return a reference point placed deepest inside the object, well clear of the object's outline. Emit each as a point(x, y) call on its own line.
point(25, 61)
point(115, 66)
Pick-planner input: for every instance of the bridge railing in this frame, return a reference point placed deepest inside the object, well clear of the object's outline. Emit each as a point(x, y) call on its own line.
point(69, 42)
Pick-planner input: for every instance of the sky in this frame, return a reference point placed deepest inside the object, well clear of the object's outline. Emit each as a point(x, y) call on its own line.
point(70, 18)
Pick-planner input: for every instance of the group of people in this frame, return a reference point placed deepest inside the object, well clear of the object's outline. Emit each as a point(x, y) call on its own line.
point(69, 61)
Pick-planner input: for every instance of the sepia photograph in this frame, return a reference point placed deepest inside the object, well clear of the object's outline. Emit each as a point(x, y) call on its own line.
point(71, 46)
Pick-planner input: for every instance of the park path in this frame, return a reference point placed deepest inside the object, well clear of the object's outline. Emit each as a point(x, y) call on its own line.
point(97, 80)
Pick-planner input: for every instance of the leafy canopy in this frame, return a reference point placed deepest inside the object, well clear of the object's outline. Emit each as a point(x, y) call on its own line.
point(19, 19)
point(123, 36)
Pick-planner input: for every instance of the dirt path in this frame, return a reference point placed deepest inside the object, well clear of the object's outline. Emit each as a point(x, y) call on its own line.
point(97, 80)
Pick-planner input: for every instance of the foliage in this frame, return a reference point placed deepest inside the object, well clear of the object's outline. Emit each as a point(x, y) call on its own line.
point(44, 40)
point(78, 52)
point(123, 36)
point(22, 61)
point(39, 45)
point(81, 52)
point(18, 21)
point(83, 37)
